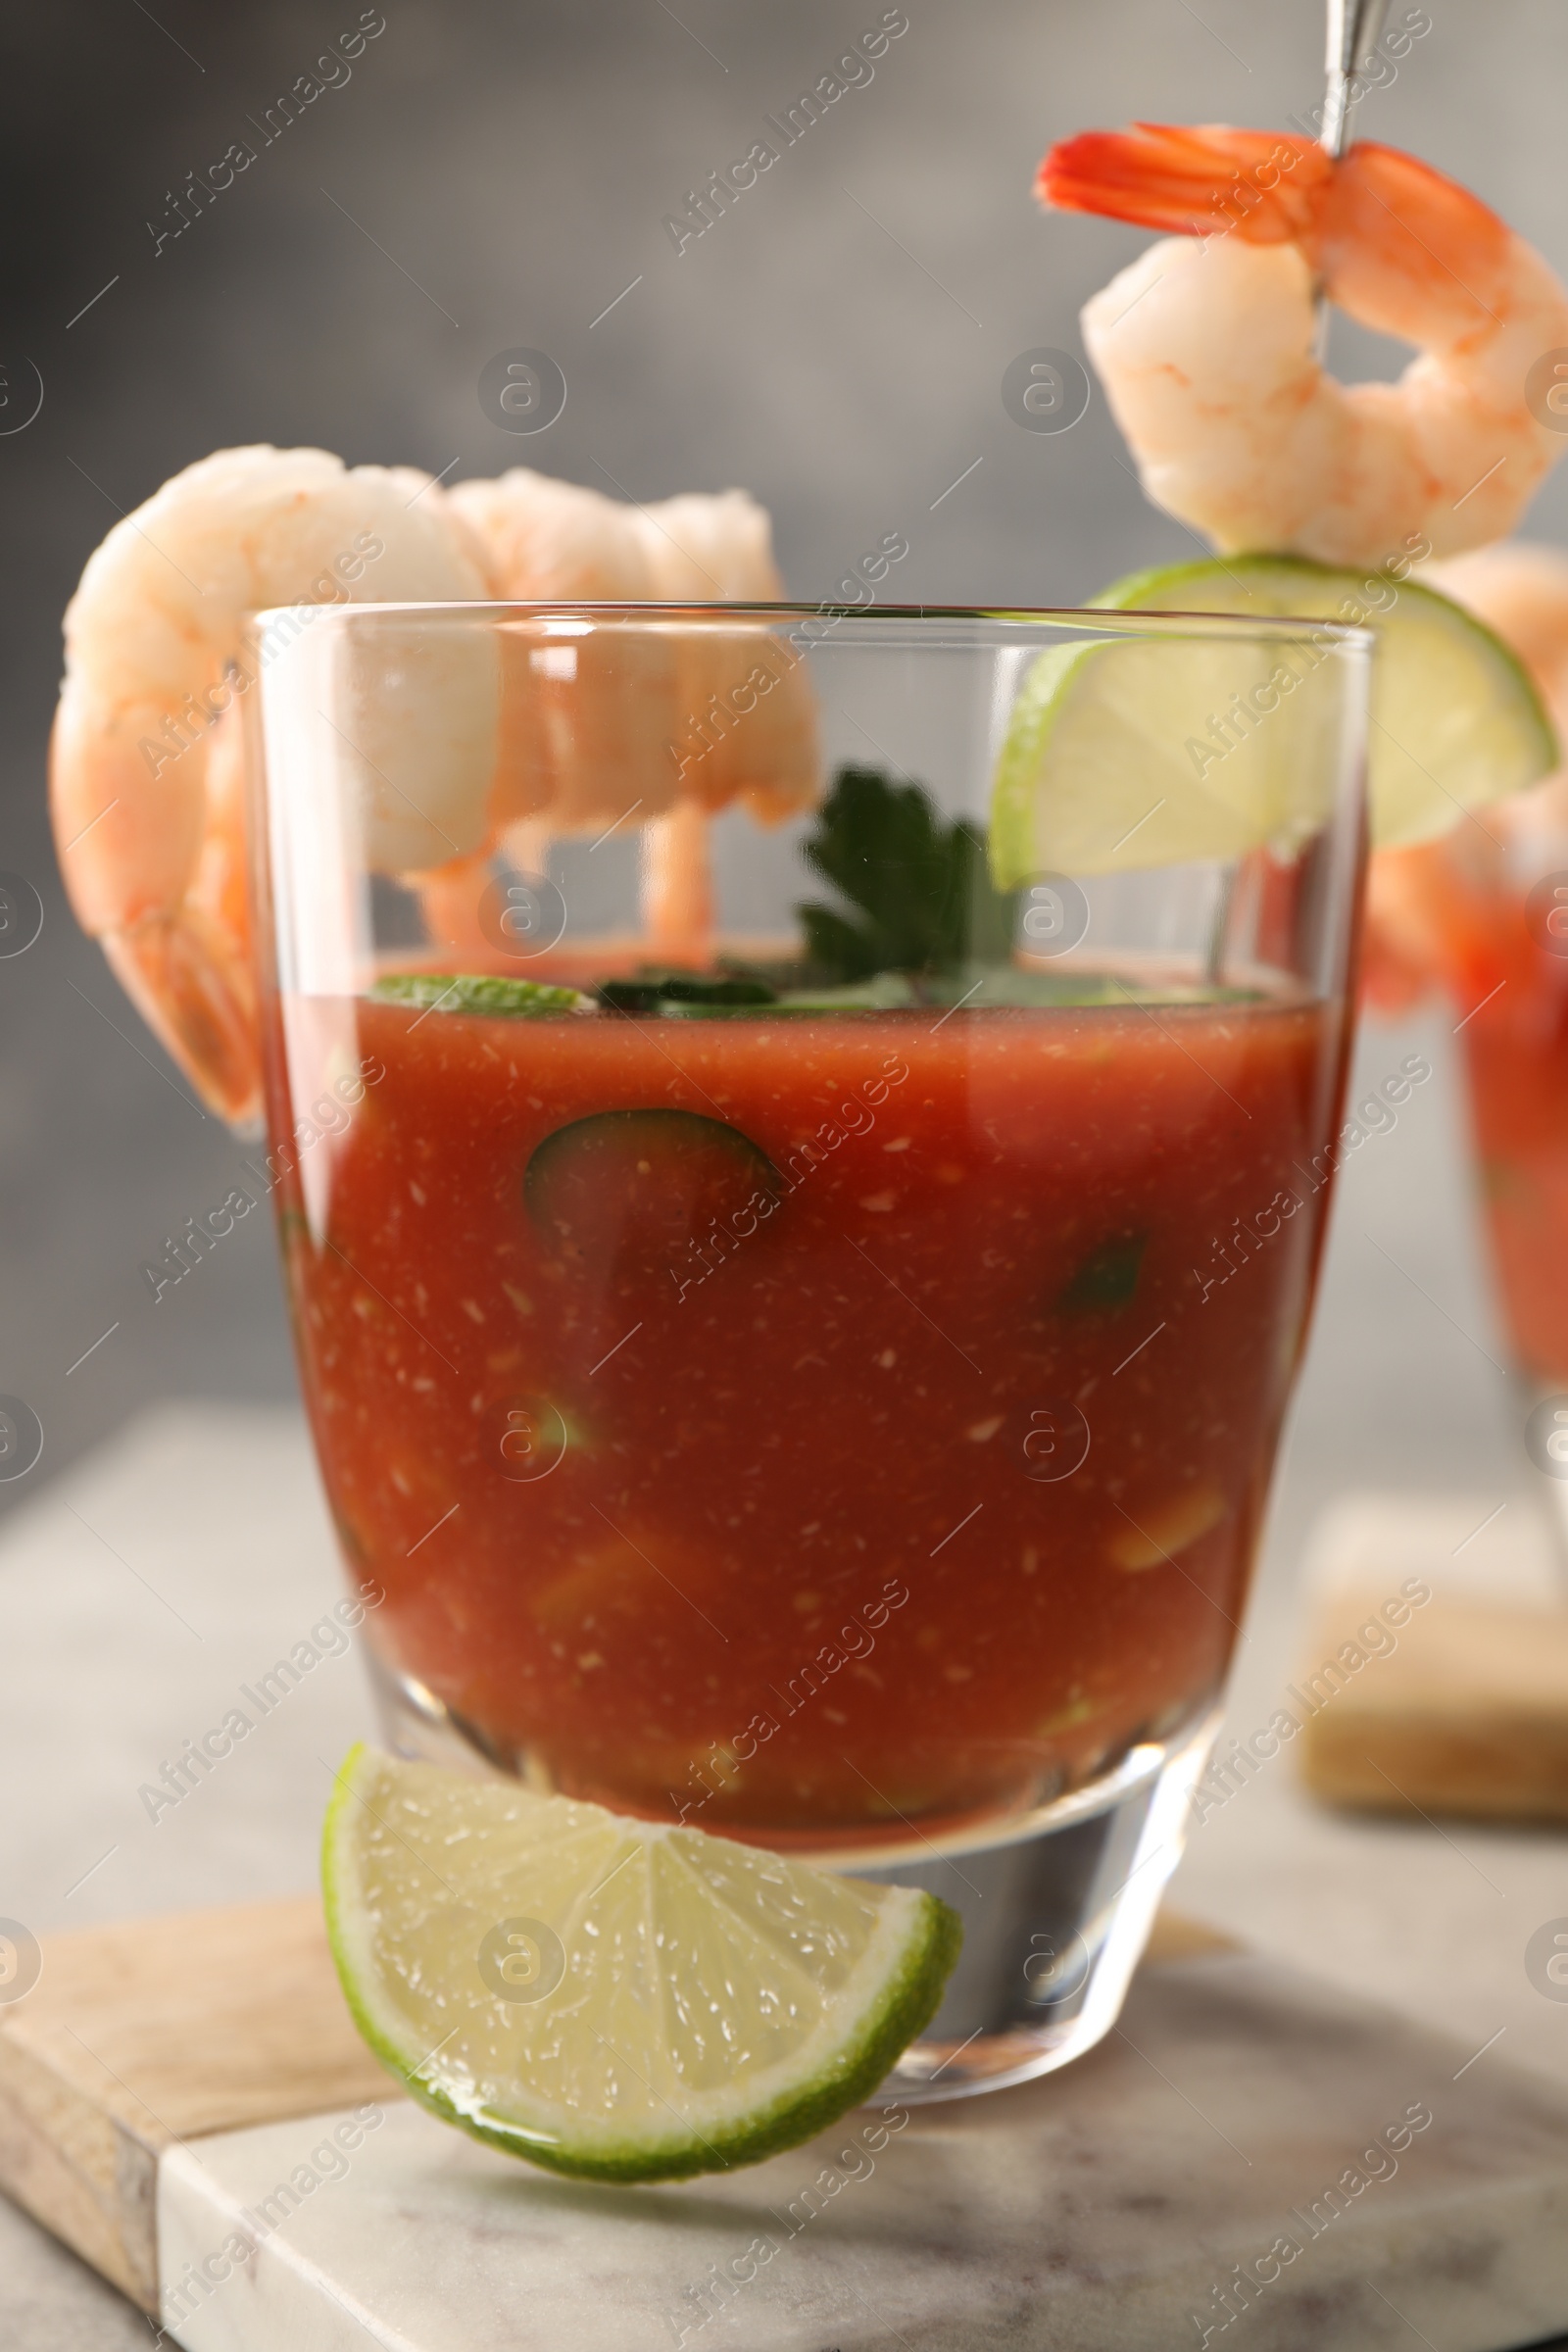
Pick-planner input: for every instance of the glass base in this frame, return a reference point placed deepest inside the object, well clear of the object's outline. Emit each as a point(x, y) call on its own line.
point(1055, 1912)
point(1056, 1918)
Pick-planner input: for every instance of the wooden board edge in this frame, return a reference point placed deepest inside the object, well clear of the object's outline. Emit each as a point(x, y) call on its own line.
point(1176, 1937)
point(1410, 1766)
point(77, 2170)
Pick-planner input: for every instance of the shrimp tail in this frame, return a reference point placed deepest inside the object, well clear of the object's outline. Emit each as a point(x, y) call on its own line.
point(1376, 205)
point(1190, 181)
point(180, 974)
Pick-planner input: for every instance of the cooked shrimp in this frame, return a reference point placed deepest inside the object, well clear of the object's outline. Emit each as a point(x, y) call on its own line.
point(1206, 344)
point(143, 764)
point(1432, 911)
point(1520, 589)
point(145, 770)
point(582, 712)
point(600, 726)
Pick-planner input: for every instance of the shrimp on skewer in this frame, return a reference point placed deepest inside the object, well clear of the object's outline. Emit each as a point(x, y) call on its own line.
point(144, 771)
point(1205, 345)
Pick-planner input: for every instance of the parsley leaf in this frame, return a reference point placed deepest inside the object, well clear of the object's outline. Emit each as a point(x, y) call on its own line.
point(651, 991)
point(922, 885)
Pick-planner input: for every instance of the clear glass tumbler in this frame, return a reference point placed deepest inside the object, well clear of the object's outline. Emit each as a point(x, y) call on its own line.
point(799, 1141)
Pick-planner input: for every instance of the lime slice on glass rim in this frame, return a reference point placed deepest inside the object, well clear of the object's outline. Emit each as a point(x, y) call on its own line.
point(1159, 751)
point(615, 1999)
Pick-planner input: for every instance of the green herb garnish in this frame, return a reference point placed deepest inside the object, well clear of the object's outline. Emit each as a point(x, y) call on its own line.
point(922, 886)
point(672, 992)
point(1106, 1278)
point(478, 992)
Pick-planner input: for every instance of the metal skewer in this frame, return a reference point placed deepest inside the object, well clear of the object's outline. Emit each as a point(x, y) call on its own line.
point(1354, 28)
point(1353, 31)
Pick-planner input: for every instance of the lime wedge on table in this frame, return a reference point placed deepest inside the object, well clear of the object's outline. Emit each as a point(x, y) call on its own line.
point(1113, 758)
point(613, 1998)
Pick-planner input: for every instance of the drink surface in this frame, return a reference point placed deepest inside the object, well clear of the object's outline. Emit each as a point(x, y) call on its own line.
point(825, 1428)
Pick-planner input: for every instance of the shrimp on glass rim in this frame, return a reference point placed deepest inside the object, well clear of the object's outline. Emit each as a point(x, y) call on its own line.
point(145, 770)
point(1206, 345)
point(643, 746)
point(145, 786)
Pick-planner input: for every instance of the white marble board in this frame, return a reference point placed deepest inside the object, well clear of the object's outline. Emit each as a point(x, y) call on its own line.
point(1106, 2207)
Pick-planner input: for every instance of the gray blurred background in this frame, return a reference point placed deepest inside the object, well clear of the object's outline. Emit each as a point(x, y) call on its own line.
point(495, 176)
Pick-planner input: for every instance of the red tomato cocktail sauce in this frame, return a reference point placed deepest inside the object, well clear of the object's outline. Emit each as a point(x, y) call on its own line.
point(711, 1397)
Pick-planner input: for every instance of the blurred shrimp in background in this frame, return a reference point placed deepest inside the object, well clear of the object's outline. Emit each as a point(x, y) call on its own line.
point(1482, 916)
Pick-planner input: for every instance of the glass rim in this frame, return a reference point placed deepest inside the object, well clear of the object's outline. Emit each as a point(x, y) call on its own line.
point(1026, 619)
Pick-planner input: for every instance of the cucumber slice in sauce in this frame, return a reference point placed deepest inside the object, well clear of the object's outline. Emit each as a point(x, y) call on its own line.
point(478, 992)
point(630, 1192)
